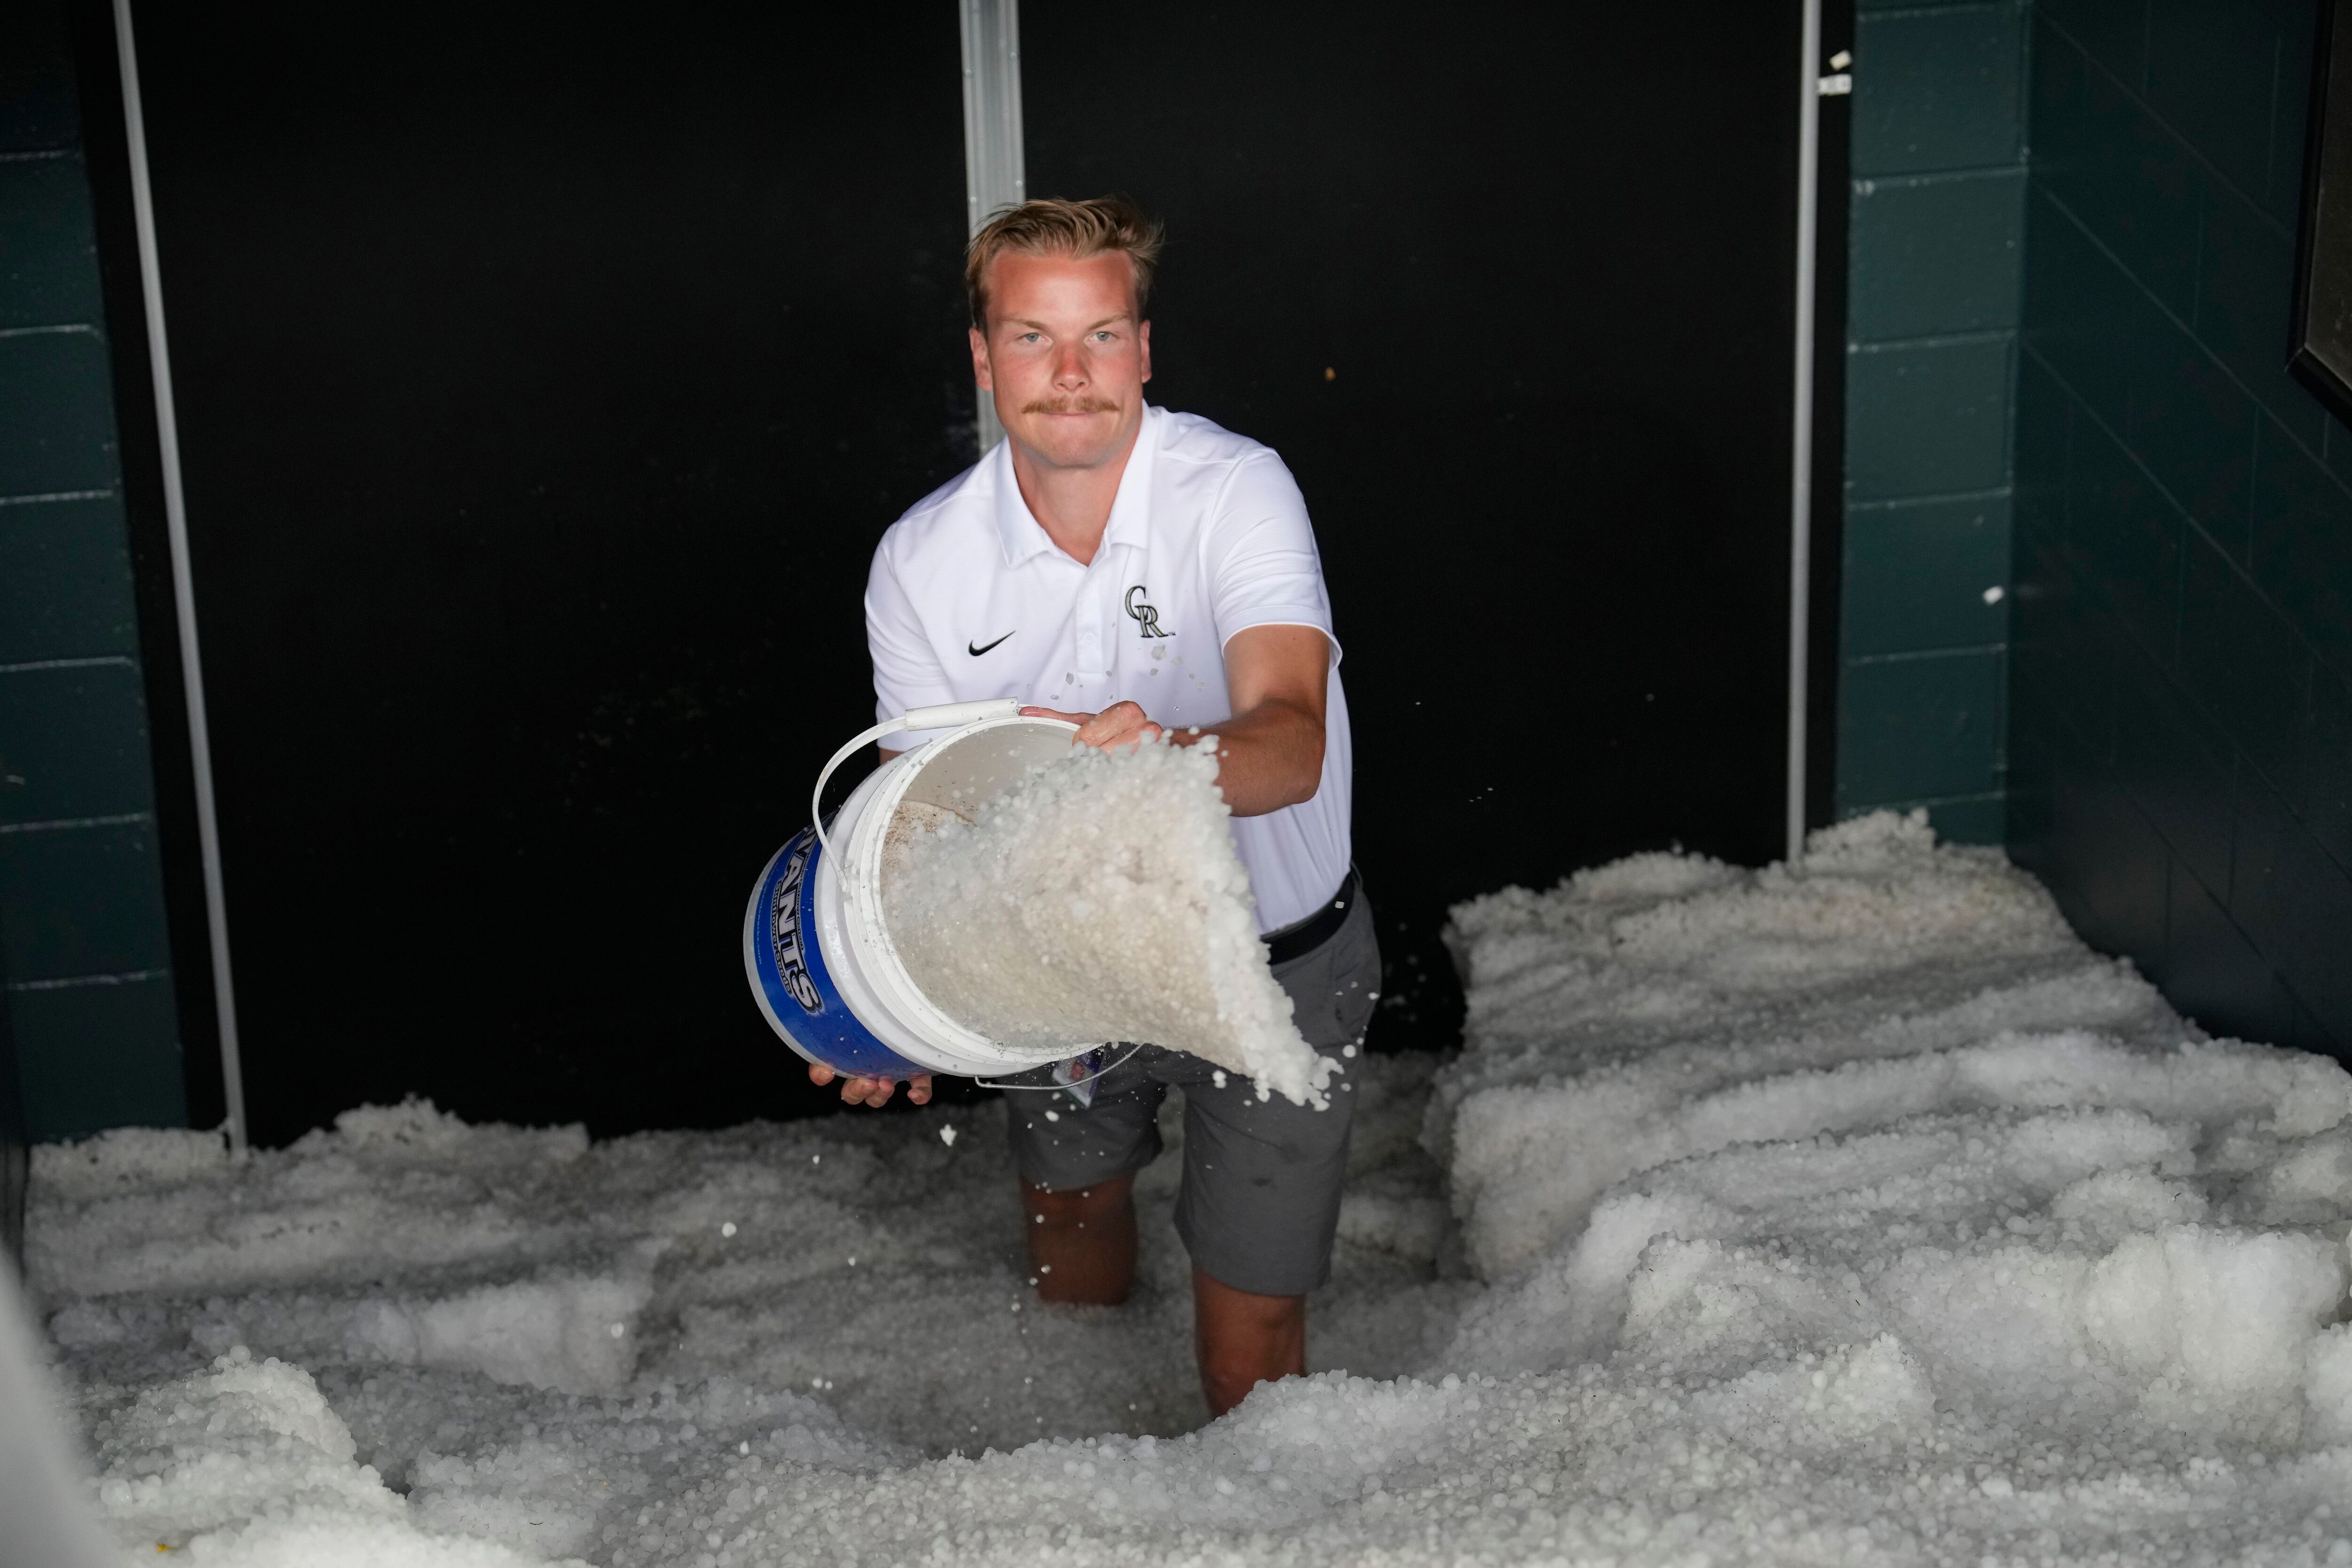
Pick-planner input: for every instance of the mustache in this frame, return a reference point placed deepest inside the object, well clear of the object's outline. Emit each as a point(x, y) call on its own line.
point(1071, 405)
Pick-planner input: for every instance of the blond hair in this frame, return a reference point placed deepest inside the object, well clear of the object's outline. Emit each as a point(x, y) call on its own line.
point(1056, 227)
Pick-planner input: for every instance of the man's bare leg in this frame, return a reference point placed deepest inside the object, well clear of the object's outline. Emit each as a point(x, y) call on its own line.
point(1241, 1339)
point(1082, 1242)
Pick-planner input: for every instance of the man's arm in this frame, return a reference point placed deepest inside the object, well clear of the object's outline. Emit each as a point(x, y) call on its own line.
point(1270, 752)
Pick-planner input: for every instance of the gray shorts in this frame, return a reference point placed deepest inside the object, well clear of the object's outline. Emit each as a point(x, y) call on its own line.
point(1260, 1200)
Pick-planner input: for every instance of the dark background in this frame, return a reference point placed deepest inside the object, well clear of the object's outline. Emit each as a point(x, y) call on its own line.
point(545, 375)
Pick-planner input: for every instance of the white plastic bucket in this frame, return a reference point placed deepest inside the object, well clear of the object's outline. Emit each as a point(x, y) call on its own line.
point(817, 949)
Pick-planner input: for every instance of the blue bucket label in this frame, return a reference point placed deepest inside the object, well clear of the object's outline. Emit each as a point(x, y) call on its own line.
point(795, 985)
point(784, 926)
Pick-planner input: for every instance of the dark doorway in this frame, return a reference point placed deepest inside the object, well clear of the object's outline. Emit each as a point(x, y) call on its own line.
point(546, 374)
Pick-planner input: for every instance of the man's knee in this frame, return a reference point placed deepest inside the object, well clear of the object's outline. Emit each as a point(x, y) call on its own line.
point(1074, 1207)
point(1241, 1339)
point(1082, 1241)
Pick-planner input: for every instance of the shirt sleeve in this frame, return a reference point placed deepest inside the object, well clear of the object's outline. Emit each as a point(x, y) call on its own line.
point(907, 673)
point(1263, 567)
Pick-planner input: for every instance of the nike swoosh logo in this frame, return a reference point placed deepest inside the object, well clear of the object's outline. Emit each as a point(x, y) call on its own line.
point(976, 652)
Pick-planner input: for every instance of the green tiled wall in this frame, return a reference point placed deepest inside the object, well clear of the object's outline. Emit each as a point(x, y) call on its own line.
point(83, 951)
point(2181, 729)
point(1935, 228)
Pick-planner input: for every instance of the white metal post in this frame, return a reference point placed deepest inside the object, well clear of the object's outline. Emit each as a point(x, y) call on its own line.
point(183, 593)
point(994, 164)
point(1800, 438)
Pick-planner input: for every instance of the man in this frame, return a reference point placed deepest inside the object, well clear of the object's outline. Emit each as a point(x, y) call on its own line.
point(1145, 574)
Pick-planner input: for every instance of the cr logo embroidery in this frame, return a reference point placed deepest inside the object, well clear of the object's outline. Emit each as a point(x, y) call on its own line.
point(1145, 614)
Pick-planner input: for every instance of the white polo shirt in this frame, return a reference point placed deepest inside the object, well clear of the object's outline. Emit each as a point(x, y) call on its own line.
point(968, 598)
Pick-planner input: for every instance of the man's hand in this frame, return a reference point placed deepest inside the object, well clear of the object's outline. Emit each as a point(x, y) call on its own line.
point(874, 1092)
point(1270, 752)
point(1122, 725)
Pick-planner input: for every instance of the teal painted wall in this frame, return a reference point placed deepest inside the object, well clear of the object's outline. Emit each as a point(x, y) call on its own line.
point(1934, 260)
point(87, 964)
point(2182, 730)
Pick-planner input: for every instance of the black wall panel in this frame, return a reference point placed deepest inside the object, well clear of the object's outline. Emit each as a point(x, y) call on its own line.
point(1509, 288)
point(545, 374)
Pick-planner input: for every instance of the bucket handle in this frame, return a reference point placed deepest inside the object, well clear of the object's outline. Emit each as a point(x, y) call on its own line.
point(938, 716)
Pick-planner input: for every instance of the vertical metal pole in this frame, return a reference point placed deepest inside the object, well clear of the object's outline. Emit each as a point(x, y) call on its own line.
point(184, 594)
point(995, 166)
point(1800, 437)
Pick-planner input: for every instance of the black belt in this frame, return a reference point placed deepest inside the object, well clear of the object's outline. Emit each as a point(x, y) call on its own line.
point(1302, 937)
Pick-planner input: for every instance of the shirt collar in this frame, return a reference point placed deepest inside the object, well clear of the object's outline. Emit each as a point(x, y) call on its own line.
point(1130, 509)
point(1021, 535)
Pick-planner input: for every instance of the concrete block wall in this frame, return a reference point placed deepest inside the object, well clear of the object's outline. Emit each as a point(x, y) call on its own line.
point(1935, 230)
point(2182, 729)
point(83, 947)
